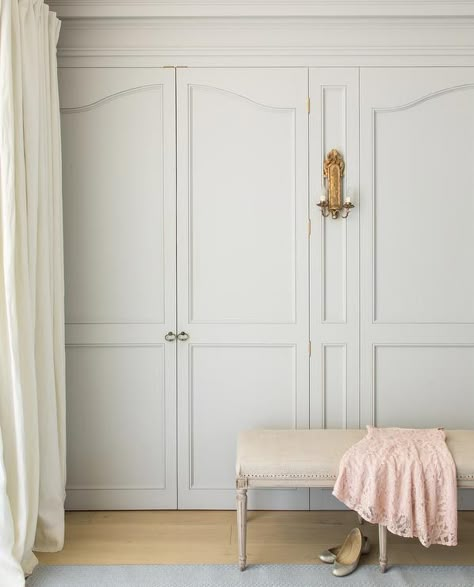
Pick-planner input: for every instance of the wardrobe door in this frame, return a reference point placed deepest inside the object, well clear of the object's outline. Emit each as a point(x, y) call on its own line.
point(119, 229)
point(417, 237)
point(242, 272)
point(334, 124)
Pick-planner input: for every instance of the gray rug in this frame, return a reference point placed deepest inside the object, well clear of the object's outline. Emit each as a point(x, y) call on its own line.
point(254, 576)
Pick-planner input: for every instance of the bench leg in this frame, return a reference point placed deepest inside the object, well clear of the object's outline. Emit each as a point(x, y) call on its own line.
point(383, 560)
point(242, 526)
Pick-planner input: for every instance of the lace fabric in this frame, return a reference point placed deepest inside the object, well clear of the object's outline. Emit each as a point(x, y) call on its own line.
point(404, 479)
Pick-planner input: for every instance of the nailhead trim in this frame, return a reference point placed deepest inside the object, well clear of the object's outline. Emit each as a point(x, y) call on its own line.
point(316, 476)
point(292, 476)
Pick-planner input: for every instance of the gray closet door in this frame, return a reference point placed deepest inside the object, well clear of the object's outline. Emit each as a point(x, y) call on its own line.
point(242, 272)
point(119, 225)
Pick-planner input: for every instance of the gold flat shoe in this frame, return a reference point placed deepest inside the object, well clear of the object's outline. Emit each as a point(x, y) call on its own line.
point(329, 556)
point(348, 557)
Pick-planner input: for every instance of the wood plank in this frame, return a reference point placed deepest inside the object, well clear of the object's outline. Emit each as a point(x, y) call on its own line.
point(173, 537)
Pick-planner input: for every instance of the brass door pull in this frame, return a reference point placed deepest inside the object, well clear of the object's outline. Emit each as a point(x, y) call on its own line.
point(170, 337)
point(183, 336)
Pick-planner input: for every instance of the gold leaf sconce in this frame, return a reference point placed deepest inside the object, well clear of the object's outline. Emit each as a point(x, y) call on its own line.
point(331, 200)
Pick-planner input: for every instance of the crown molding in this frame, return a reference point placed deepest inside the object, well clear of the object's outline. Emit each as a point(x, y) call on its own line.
point(66, 9)
point(290, 24)
point(272, 41)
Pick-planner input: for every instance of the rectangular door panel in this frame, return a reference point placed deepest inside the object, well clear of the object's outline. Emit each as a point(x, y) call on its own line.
point(423, 159)
point(118, 139)
point(243, 197)
point(114, 186)
point(424, 386)
point(116, 453)
point(242, 272)
point(224, 378)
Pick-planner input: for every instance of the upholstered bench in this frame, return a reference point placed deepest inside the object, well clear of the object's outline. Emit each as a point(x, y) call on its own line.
point(310, 458)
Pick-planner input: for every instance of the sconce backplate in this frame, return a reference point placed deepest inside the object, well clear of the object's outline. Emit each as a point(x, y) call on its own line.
point(333, 171)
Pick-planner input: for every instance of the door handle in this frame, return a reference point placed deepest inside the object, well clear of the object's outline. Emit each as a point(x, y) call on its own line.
point(170, 337)
point(183, 336)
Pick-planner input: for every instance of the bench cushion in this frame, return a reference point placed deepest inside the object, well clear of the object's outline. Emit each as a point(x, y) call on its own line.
point(310, 458)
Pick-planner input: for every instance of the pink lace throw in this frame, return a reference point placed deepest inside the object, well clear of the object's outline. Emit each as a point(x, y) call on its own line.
point(404, 479)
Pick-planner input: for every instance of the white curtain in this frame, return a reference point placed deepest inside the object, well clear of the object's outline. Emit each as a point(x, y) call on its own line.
point(32, 396)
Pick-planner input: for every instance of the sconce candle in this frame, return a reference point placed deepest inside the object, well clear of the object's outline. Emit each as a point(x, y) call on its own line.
point(347, 207)
point(323, 204)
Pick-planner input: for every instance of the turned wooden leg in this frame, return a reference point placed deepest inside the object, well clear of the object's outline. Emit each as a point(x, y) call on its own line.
point(242, 526)
point(383, 561)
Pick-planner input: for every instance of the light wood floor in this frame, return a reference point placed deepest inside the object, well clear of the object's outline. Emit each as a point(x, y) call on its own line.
point(155, 537)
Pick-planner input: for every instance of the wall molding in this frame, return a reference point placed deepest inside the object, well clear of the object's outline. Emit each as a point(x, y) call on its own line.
point(400, 345)
point(237, 8)
point(101, 102)
point(324, 370)
point(258, 41)
point(191, 485)
point(328, 226)
point(375, 305)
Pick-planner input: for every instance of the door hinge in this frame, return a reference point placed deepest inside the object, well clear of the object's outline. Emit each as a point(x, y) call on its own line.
point(309, 348)
point(308, 104)
point(309, 227)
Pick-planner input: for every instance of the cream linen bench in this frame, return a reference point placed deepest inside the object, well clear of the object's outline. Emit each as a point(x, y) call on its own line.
point(310, 458)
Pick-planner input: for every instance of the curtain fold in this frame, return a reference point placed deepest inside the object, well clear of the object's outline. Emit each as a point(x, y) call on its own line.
point(32, 372)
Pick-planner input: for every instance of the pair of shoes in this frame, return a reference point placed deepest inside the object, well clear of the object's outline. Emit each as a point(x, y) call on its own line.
point(346, 557)
point(330, 555)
